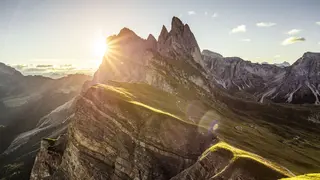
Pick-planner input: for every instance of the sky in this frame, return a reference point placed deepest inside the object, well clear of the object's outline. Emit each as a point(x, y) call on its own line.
point(58, 32)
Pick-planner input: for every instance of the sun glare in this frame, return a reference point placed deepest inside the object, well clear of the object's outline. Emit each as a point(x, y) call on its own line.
point(100, 47)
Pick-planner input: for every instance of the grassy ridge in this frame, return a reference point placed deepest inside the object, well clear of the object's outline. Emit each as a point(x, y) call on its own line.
point(253, 136)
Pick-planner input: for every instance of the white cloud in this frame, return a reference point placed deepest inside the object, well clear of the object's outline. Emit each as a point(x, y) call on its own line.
point(214, 15)
point(266, 24)
point(319, 43)
point(318, 23)
point(292, 40)
point(191, 12)
point(238, 29)
point(206, 13)
point(53, 71)
point(294, 31)
point(277, 56)
point(245, 40)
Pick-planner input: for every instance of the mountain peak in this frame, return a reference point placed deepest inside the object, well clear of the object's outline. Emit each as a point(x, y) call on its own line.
point(126, 32)
point(212, 54)
point(152, 42)
point(163, 34)
point(179, 41)
point(307, 58)
point(176, 25)
point(151, 38)
point(5, 69)
point(311, 54)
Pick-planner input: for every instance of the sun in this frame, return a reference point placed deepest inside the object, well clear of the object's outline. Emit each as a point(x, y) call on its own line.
point(101, 47)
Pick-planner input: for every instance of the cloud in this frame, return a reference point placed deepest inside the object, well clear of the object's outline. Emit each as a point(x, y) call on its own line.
point(191, 12)
point(214, 15)
point(277, 56)
point(292, 40)
point(206, 13)
point(44, 66)
point(238, 29)
point(318, 23)
point(53, 71)
point(294, 31)
point(266, 24)
point(246, 40)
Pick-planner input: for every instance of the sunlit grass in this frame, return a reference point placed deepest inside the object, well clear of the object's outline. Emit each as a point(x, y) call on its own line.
point(164, 103)
point(239, 153)
point(154, 109)
point(249, 139)
point(313, 176)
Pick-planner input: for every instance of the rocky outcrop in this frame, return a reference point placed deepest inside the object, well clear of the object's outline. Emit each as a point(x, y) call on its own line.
point(131, 58)
point(301, 83)
point(179, 42)
point(48, 158)
point(235, 74)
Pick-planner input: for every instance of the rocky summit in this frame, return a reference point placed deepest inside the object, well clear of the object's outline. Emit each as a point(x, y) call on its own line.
point(161, 109)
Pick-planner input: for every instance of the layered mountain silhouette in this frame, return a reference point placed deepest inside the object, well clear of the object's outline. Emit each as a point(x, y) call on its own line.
point(27, 108)
point(161, 109)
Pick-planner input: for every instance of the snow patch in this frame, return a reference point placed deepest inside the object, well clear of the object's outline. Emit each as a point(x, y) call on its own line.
point(268, 93)
point(221, 82)
point(315, 92)
point(291, 94)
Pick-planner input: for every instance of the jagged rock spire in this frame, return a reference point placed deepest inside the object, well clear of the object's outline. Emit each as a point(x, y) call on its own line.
point(180, 40)
point(163, 34)
point(152, 42)
point(176, 25)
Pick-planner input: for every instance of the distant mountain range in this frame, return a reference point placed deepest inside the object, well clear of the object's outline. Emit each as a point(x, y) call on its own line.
point(284, 64)
point(297, 84)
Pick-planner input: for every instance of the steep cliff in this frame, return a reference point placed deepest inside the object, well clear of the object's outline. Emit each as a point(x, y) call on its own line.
point(119, 133)
point(31, 108)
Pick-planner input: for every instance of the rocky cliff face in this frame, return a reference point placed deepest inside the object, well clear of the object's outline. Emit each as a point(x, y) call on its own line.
point(118, 133)
point(133, 59)
point(31, 107)
point(296, 84)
